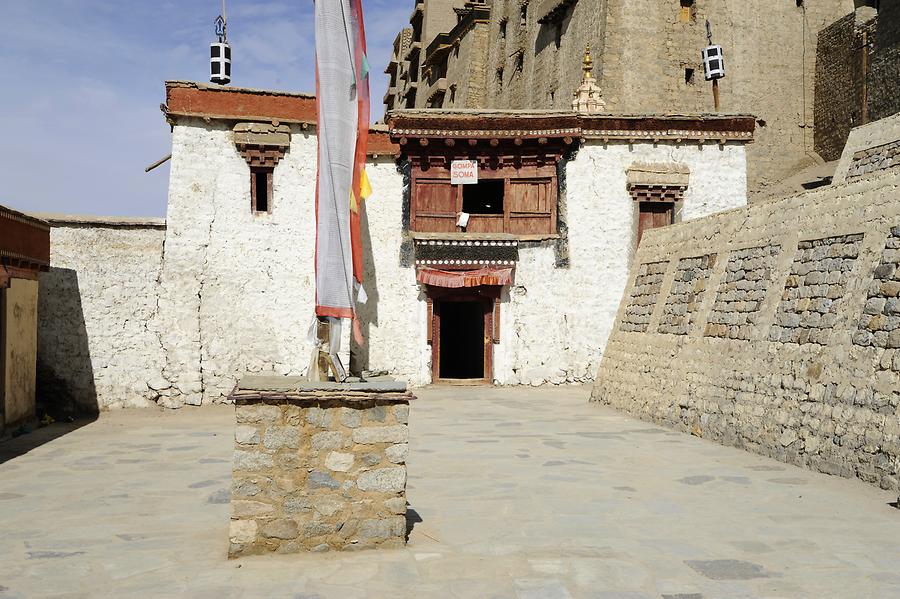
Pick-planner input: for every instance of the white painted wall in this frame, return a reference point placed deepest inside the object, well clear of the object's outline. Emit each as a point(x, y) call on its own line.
point(235, 290)
point(98, 342)
point(555, 321)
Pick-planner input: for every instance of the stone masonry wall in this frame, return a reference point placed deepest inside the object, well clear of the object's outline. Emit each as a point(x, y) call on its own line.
point(884, 73)
point(748, 275)
point(686, 293)
point(319, 471)
point(805, 365)
point(839, 84)
point(98, 342)
point(643, 297)
point(874, 159)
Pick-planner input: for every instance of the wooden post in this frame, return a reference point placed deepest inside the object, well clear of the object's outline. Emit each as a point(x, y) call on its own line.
point(865, 77)
point(716, 94)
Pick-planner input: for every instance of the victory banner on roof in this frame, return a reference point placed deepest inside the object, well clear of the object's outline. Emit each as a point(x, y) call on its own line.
point(342, 81)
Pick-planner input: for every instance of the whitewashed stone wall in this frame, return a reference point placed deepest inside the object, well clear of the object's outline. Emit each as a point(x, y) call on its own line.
point(232, 291)
point(238, 288)
point(555, 320)
point(98, 341)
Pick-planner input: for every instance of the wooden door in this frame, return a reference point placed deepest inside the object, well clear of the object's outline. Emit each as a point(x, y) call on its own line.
point(653, 215)
point(445, 321)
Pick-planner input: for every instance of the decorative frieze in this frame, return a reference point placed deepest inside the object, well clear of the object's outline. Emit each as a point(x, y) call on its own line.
point(262, 145)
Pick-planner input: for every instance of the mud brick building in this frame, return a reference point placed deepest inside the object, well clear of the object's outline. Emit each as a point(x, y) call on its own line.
point(517, 54)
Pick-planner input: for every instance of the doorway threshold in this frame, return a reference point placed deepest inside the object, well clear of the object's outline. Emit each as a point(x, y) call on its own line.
point(463, 382)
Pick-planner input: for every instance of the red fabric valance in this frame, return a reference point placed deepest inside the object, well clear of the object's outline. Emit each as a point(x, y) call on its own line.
point(465, 278)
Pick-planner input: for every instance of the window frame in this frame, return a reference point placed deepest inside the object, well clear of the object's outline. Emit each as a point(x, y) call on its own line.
point(255, 171)
point(513, 219)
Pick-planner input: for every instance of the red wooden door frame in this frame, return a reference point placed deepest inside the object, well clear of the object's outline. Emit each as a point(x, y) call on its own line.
point(488, 297)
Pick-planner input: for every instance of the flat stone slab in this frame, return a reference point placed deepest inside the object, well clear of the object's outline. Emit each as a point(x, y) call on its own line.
point(287, 384)
point(610, 518)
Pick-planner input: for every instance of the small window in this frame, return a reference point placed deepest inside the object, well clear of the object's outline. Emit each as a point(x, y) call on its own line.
point(500, 78)
point(484, 197)
point(523, 14)
point(261, 190)
point(503, 29)
point(689, 76)
point(520, 61)
point(686, 15)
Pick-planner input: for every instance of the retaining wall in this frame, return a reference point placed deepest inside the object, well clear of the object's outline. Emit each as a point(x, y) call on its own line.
point(775, 328)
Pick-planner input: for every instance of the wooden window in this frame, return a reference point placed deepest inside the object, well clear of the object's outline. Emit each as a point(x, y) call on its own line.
point(532, 206)
point(686, 14)
point(484, 197)
point(654, 215)
point(505, 203)
point(261, 190)
point(435, 206)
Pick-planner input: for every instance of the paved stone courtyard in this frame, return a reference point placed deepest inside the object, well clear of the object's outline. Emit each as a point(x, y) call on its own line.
point(520, 493)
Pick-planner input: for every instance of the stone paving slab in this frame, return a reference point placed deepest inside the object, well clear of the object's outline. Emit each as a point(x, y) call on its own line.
point(518, 493)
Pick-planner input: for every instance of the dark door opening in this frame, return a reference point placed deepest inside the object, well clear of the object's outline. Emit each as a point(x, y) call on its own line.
point(462, 340)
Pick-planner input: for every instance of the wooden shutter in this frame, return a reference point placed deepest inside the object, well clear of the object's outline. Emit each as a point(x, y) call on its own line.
point(531, 206)
point(434, 206)
point(654, 215)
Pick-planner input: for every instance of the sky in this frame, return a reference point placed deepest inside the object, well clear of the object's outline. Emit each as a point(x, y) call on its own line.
point(83, 81)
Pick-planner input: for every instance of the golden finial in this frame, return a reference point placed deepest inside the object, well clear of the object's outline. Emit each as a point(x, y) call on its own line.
point(588, 64)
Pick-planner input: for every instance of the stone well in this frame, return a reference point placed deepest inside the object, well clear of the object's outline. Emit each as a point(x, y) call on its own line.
point(318, 466)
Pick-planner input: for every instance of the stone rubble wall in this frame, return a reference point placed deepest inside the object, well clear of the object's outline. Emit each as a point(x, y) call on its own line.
point(318, 472)
point(98, 342)
point(879, 158)
point(796, 355)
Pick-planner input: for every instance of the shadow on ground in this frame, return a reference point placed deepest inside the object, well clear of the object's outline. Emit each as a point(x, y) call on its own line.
point(22, 444)
point(412, 518)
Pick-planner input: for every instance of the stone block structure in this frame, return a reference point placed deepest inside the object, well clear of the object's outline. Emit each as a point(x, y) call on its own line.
point(797, 354)
point(318, 467)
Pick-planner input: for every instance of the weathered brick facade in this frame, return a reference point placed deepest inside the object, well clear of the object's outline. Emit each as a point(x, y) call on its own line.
point(647, 52)
point(857, 75)
point(884, 76)
point(840, 97)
